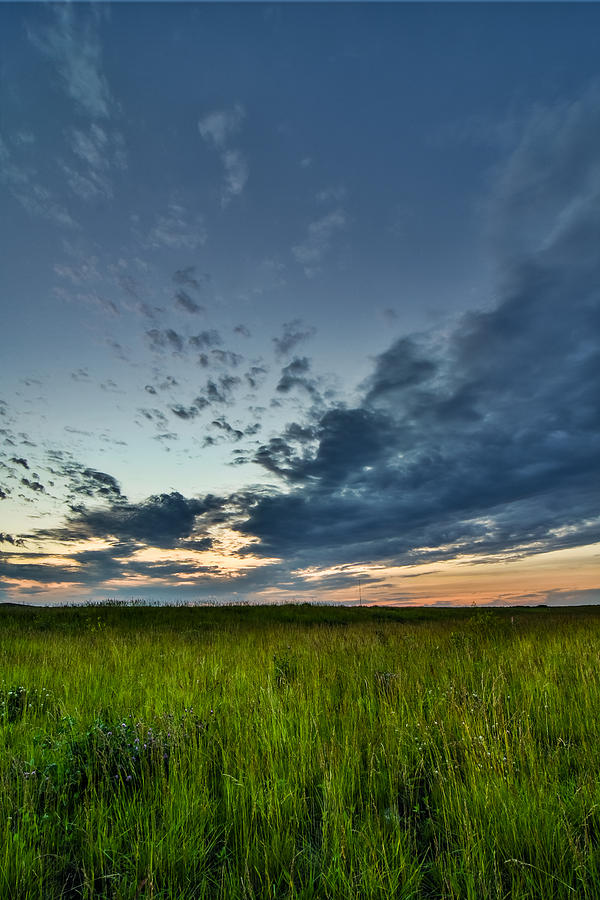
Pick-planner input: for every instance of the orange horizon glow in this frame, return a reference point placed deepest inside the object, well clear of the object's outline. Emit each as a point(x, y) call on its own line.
point(465, 580)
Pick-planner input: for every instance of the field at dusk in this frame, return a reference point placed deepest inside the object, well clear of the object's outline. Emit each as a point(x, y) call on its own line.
point(299, 752)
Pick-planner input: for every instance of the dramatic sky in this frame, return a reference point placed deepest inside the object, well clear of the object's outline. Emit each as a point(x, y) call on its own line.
point(296, 296)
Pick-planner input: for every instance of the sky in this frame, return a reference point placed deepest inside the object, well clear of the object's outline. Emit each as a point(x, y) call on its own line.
point(300, 302)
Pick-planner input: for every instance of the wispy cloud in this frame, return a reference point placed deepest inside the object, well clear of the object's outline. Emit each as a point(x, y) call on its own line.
point(317, 243)
point(72, 43)
point(22, 181)
point(96, 153)
point(177, 229)
point(216, 129)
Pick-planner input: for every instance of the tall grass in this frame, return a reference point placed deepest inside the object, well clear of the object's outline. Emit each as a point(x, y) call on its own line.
point(299, 753)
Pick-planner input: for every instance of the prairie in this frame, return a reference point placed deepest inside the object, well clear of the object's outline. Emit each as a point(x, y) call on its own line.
point(299, 752)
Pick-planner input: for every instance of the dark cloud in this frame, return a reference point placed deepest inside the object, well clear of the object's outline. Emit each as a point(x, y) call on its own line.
point(206, 339)
point(219, 359)
point(484, 440)
point(33, 485)
point(293, 333)
point(254, 375)
point(71, 430)
point(185, 412)
point(294, 375)
point(187, 303)
point(224, 426)
point(218, 390)
point(186, 277)
point(83, 481)
point(166, 339)
point(80, 375)
point(19, 461)
point(10, 539)
point(301, 433)
point(98, 484)
point(160, 521)
point(118, 349)
point(166, 436)
point(154, 415)
point(150, 389)
point(226, 358)
point(404, 365)
point(243, 330)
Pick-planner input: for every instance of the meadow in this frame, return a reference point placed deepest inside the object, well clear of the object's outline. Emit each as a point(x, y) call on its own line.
point(299, 752)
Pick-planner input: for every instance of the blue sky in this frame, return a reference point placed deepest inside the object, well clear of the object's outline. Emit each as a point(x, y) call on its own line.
point(297, 294)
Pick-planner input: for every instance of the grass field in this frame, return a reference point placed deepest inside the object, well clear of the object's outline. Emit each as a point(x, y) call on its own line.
point(299, 752)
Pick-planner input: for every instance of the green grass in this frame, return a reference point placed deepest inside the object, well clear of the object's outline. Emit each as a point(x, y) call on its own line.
point(299, 752)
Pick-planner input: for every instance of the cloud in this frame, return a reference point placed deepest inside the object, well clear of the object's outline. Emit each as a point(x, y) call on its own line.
point(218, 391)
point(154, 415)
point(483, 440)
point(295, 375)
point(293, 333)
point(97, 152)
point(177, 229)
point(10, 539)
point(331, 194)
point(571, 598)
point(93, 483)
point(226, 358)
point(404, 365)
point(33, 485)
point(72, 44)
point(216, 129)
point(184, 412)
point(255, 376)
point(205, 339)
point(187, 303)
point(83, 481)
point(189, 282)
point(187, 277)
point(167, 339)
point(223, 425)
point(161, 520)
point(318, 241)
point(36, 199)
point(236, 175)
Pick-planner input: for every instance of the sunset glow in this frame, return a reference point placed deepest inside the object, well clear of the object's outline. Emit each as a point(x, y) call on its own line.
point(278, 330)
